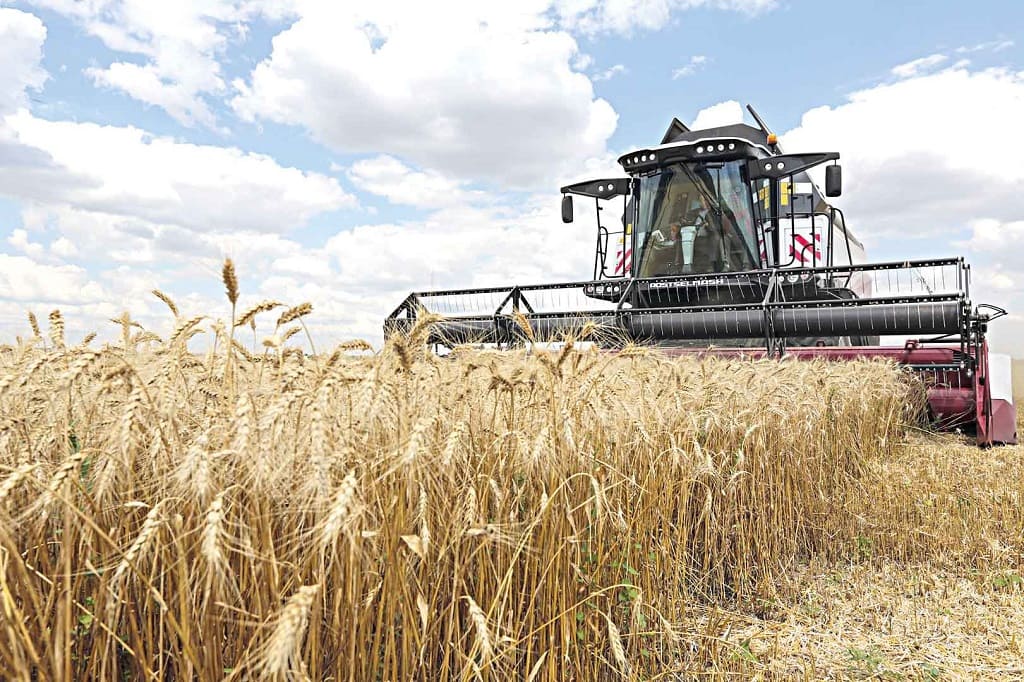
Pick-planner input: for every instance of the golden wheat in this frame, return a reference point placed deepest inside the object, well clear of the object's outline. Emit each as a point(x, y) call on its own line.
point(542, 515)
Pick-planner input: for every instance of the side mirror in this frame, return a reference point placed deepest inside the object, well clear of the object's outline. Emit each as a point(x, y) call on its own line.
point(833, 180)
point(566, 208)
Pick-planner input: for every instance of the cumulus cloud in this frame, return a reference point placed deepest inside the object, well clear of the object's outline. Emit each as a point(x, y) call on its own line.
point(133, 210)
point(21, 42)
point(150, 211)
point(128, 172)
point(144, 82)
point(917, 66)
point(24, 279)
point(372, 267)
point(920, 162)
point(609, 73)
point(721, 114)
point(1001, 240)
point(497, 100)
point(388, 177)
point(695, 64)
point(136, 177)
point(20, 240)
point(179, 43)
point(626, 16)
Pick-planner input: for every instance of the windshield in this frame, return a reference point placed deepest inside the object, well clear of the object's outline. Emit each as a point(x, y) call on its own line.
point(696, 218)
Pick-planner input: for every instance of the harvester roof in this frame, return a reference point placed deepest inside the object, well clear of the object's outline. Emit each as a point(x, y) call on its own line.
point(736, 130)
point(738, 140)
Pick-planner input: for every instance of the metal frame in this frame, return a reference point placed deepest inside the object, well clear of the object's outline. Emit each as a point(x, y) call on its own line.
point(633, 297)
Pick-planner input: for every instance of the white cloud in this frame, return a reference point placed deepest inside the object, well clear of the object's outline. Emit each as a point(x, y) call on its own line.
point(19, 239)
point(920, 162)
point(918, 66)
point(626, 16)
point(1004, 240)
point(927, 157)
point(25, 280)
point(388, 177)
point(990, 46)
point(21, 42)
point(498, 99)
point(180, 42)
point(695, 64)
point(354, 277)
point(143, 211)
point(373, 267)
point(129, 177)
point(609, 73)
point(721, 114)
point(128, 172)
point(64, 247)
point(146, 84)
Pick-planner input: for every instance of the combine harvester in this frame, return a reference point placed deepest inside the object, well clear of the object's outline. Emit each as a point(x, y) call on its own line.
point(727, 246)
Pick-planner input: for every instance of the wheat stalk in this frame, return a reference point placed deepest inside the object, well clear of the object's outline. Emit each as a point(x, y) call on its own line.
point(618, 650)
point(150, 526)
point(294, 313)
point(230, 279)
point(484, 641)
point(15, 478)
point(339, 512)
point(167, 301)
point(213, 537)
point(282, 652)
point(249, 315)
point(34, 324)
point(57, 329)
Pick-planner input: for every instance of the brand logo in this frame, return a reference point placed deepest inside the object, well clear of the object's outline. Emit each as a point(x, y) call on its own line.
point(708, 281)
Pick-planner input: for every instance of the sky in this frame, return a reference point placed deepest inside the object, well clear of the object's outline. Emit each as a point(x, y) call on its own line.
point(347, 153)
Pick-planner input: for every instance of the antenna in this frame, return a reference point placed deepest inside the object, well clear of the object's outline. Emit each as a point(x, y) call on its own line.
point(760, 121)
point(773, 141)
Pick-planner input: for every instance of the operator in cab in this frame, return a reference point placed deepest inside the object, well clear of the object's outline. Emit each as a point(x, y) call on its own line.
point(699, 220)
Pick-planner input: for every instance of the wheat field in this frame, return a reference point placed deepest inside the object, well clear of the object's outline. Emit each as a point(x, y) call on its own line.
point(263, 511)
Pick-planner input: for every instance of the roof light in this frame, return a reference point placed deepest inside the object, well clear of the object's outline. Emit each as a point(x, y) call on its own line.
point(773, 138)
point(721, 147)
point(767, 166)
point(651, 157)
point(700, 150)
point(636, 159)
point(732, 145)
point(780, 165)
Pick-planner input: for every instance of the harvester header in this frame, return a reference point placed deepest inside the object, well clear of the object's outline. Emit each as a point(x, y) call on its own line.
point(719, 242)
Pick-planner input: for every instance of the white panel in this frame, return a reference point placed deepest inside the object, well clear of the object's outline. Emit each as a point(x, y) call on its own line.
point(1000, 377)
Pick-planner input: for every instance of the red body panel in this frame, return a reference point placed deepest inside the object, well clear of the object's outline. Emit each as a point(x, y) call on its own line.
point(957, 397)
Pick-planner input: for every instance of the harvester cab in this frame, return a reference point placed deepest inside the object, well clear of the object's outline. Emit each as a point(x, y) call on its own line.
point(716, 241)
point(716, 202)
